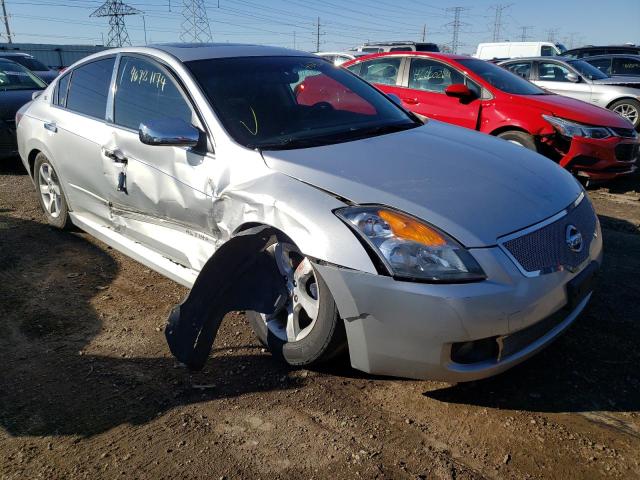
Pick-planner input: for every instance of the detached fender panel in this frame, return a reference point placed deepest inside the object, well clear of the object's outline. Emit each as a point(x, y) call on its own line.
point(241, 275)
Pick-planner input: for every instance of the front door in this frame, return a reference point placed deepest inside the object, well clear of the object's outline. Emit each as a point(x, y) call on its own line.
point(424, 93)
point(555, 77)
point(159, 194)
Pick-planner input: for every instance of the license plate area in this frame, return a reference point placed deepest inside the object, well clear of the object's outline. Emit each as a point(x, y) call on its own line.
point(583, 284)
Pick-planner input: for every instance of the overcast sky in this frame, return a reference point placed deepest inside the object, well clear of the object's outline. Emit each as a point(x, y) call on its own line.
point(343, 24)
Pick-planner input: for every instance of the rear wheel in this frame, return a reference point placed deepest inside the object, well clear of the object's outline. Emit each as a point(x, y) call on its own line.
point(629, 109)
point(50, 193)
point(519, 138)
point(306, 330)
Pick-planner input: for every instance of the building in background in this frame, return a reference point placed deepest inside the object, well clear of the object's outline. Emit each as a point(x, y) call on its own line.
point(54, 56)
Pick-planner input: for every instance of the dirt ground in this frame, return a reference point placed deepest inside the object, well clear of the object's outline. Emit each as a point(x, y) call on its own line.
point(88, 388)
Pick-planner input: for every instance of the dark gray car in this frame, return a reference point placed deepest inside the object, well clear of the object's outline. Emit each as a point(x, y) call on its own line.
point(36, 66)
point(17, 85)
point(616, 65)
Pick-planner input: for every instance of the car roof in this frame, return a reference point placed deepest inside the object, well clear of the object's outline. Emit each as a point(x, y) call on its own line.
point(558, 58)
point(611, 55)
point(13, 54)
point(439, 55)
point(186, 52)
point(600, 47)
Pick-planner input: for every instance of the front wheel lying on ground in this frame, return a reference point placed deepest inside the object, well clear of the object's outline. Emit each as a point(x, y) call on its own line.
point(307, 329)
point(50, 193)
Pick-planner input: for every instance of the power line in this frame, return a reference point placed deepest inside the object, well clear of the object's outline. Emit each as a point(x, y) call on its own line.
point(552, 33)
point(497, 21)
point(6, 22)
point(116, 10)
point(195, 26)
point(525, 28)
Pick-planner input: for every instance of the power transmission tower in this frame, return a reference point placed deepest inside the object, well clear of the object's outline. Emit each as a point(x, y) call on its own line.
point(318, 35)
point(116, 10)
point(424, 32)
point(195, 26)
point(497, 21)
point(6, 22)
point(456, 24)
point(552, 34)
point(524, 37)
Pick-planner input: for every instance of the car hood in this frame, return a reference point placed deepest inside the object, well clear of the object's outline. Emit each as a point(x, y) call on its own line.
point(619, 80)
point(572, 109)
point(473, 186)
point(12, 100)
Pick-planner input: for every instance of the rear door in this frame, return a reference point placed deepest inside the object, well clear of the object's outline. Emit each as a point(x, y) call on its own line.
point(160, 197)
point(554, 76)
point(423, 92)
point(76, 129)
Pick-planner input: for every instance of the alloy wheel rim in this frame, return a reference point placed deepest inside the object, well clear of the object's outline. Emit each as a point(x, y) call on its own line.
point(297, 316)
point(50, 190)
point(628, 111)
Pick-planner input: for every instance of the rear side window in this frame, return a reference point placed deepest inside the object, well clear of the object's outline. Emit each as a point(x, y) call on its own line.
point(145, 91)
point(381, 70)
point(522, 69)
point(60, 96)
point(89, 88)
point(626, 66)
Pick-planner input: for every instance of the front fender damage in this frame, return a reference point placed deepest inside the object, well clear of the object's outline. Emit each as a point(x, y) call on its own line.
point(241, 275)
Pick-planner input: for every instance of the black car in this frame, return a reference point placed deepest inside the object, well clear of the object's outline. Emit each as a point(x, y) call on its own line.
point(591, 51)
point(17, 85)
point(616, 65)
point(40, 69)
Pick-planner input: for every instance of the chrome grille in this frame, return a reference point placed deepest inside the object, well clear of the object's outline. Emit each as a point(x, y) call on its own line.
point(545, 249)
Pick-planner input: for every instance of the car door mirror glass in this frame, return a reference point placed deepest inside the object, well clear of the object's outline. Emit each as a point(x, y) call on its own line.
point(169, 131)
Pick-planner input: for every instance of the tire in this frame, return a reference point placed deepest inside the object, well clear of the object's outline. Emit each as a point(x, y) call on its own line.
point(326, 337)
point(50, 194)
point(629, 109)
point(519, 138)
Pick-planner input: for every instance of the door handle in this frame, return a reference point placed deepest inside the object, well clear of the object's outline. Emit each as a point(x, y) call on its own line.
point(410, 101)
point(116, 155)
point(51, 127)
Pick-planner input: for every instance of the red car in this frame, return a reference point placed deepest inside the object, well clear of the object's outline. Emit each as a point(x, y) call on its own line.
point(588, 140)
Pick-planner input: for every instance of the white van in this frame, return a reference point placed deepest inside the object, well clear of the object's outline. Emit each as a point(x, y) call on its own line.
point(489, 51)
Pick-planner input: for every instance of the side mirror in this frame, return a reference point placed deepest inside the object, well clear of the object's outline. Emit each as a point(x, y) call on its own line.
point(572, 77)
point(169, 131)
point(459, 90)
point(395, 99)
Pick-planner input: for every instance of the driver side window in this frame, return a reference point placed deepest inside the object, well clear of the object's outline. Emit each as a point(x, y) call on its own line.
point(553, 72)
point(144, 91)
point(432, 76)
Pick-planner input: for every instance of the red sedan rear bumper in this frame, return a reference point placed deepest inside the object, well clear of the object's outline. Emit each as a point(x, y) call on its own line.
point(601, 159)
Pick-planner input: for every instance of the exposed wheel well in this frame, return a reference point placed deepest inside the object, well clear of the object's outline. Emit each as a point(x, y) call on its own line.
point(621, 98)
point(32, 160)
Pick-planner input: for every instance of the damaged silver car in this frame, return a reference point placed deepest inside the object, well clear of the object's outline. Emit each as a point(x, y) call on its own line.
point(271, 181)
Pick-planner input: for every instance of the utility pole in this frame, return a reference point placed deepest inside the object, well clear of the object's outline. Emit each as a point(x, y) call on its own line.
point(455, 25)
point(524, 37)
point(424, 32)
point(294, 39)
point(318, 36)
point(6, 22)
point(195, 26)
point(497, 21)
point(116, 10)
point(144, 26)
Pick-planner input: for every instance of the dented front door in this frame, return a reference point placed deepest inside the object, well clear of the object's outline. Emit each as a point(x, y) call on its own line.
point(160, 195)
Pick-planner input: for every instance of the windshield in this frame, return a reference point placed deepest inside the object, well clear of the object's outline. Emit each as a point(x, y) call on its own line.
point(587, 70)
point(30, 63)
point(501, 78)
point(16, 77)
point(294, 102)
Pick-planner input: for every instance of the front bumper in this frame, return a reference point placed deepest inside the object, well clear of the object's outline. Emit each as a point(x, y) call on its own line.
point(408, 329)
point(601, 159)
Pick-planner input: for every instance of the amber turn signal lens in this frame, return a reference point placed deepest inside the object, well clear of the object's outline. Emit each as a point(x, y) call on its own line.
point(409, 229)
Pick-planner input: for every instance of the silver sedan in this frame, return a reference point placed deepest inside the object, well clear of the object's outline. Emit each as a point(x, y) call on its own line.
point(270, 181)
point(581, 80)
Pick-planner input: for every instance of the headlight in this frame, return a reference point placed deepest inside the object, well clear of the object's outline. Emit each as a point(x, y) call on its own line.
point(411, 249)
point(571, 129)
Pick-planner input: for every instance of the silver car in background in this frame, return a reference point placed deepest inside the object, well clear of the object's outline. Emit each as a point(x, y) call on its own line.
point(581, 80)
point(338, 58)
point(425, 250)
